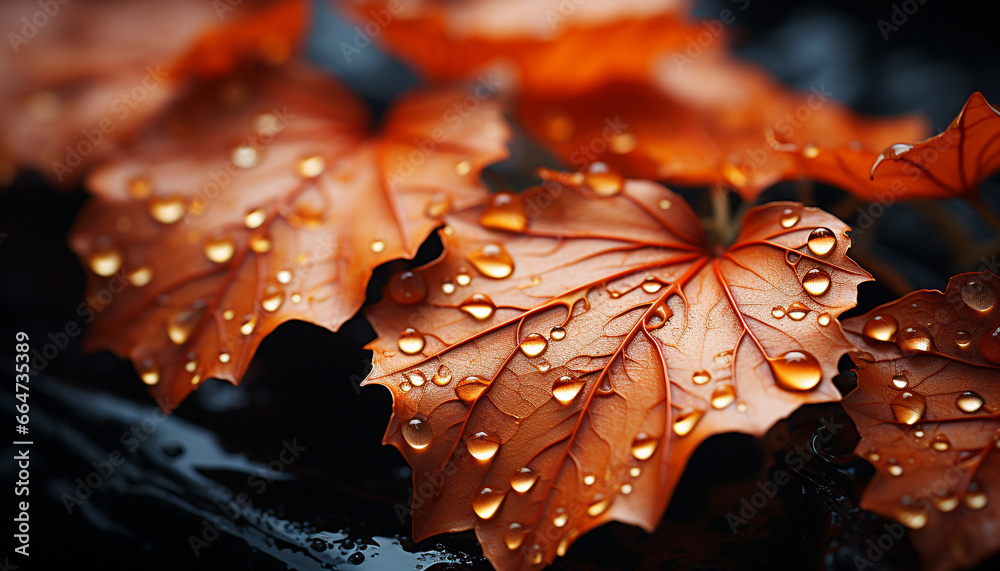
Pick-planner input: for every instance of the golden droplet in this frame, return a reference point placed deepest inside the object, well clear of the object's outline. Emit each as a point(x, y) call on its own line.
point(410, 341)
point(821, 241)
point(566, 388)
point(284, 277)
point(139, 188)
point(254, 218)
point(908, 407)
point(941, 443)
point(623, 143)
point(816, 281)
point(810, 151)
point(523, 480)
point(533, 345)
point(478, 305)
point(797, 311)
point(634, 471)
point(945, 504)
point(789, 218)
point(723, 396)
point(219, 249)
point(975, 498)
point(249, 322)
point(224, 356)
point(963, 338)
point(492, 260)
point(603, 181)
point(796, 371)
point(228, 314)
point(514, 536)
point(561, 518)
point(442, 377)
point(182, 323)
point(149, 373)
point(505, 212)
point(311, 167)
point(824, 319)
point(599, 505)
point(685, 421)
point(589, 480)
point(895, 469)
point(273, 299)
point(405, 386)
point(438, 205)
point(463, 278)
point(140, 276)
point(701, 377)
point(260, 243)
point(245, 156)
point(626, 489)
point(296, 297)
point(416, 378)
point(978, 294)
point(166, 211)
point(665, 204)
point(105, 261)
point(487, 502)
point(448, 286)
point(969, 402)
point(777, 312)
point(190, 366)
point(651, 285)
point(913, 519)
point(900, 381)
point(378, 246)
point(407, 288)
point(644, 446)
point(417, 432)
point(482, 446)
point(470, 388)
point(557, 334)
point(463, 167)
point(881, 328)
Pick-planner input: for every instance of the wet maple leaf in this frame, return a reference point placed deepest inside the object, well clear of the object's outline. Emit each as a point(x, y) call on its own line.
point(550, 46)
point(555, 369)
point(951, 164)
point(79, 81)
point(265, 201)
point(927, 407)
point(705, 120)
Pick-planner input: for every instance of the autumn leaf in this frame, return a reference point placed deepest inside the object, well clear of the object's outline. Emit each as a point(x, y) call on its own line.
point(262, 201)
point(927, 407)
point(952, 164)
point(94, 72)
point(550, 46)
point(555, 369)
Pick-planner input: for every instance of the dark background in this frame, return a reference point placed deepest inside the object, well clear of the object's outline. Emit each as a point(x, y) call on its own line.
point(338, 504)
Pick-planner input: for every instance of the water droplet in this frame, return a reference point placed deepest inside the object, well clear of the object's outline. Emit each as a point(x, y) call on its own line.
point(492, 260)
point(219, 249)
point(296, 297)
point(416, 378)
point(651, 285)
point(990, 345)
point(894, 469)
point(228, 314)
point(881, 328)
point(941, 443)
point(225, 356)
point(723, 396)
point(377, 246)
point(978, 294)
point(945, 504)
point(523, 480)
point(245, 156)
point(816, 281)
point(963, 338)
point(273, 299)
point(685, 421)
point(918, 434)
point(182, 323)
point(874, 456)
point(975, 498)
point(438, 205)
point(470, 388)
point(487, 502)
point(482, 446)
point(448, 286)
point(900, 381)
point(442, 377)
point(665, 204)
point(191, 365)
point(405, 386)
point(514, 536)
point(463, 167)
point(777, 312)
point(810, 151)
point(789, 218)
point(311, 167)
point(589, 480)
point(536, 555)
point(914, 338)
point(140, 276)
point(478, 305)
point(105, 261)
point(505, 212)
point(260, 243)
point(557, 333)
point(969, 402)
point(908, 407)
point(643, 446)
point(912, 518)
point(824, 319)
point(599, 505)
point(603, 181)
point(139, 188)
point(533, 345)
point(658, 316)
point(634, 471)
point(254, 218)
point(463, 278)
point(623, 143)
point(561, 518)
point(566, 388)
point(892, 153)
point(417, 432)
point(796, 371)
point(626, 489)
point(166, 211)
point(410, 341)
point(797, 311)
point(149, 373)
point(543, 365)
point(701, 377)
point(821, 241)
point(792, 257)
point(249, 322)
point(407, 288)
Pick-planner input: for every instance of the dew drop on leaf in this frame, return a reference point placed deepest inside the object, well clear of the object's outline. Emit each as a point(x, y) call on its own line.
point(566, 388)
point(505, 212)
point(407, 288)
point(796, 371)
point(701, 377)
point(969, 402)
point(533, 345)
point(900, 381)
point(816, 281)
point(557, 333)
point(442, 377)
point(644, 446)
point(487, 502)
point(492, 260)
point(686, 420)
point(881, 328)
point(797, 311)
point(908, 407)
point(978, 294)
point(219, 249)
point(410, 341)
point(723, 396)
point(514, 536)
point(523, 480)
point(482, 446)
point(914, 338)
point(417, 432)
point(470, 388)
point(821, 241)
point(789, 218)
point(941, 443)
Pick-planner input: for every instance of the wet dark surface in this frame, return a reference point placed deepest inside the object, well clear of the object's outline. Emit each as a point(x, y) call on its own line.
point(173, 500)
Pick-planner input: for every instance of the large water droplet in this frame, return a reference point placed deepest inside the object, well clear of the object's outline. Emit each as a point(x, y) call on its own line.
point(908, 407)
point(821, 241)
point(249, 323)
point(723, 396)
point(796, 371)
point(913, 339)
point(946, 503)
point(603, 181)
point(963, 338)
point(651, 285)
point(514, 536)
point(941, 443)
point(824, 319)
point(789, 217)
point(533, 345)
point(975, 498)
point(505, 212)
point(478, 305)
point(166, 210)
point(149, 373)
point(557, 333)
point(470, 388)
point(139, 276)
point(492, 260)
point(182, 323)
point(219, 249)
point(777, 312)
point(566, 388)
point(523, 480)
point(816, 281)
point(273, 298)
point(442, 377)
point(881, 328)
point(912, 518)
point(978, 295)
point(410, 341)
point(105, 261)
point(254, 218)
point(685, 421)
point(417, 432)
point(900, 381)
point(482, 445)
point(643, 446)
point(487, 502)
point(797, 311)
point(561, 517)
point(407, 288)
point(701, 377)
point(416, 378)
point(969, 402)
